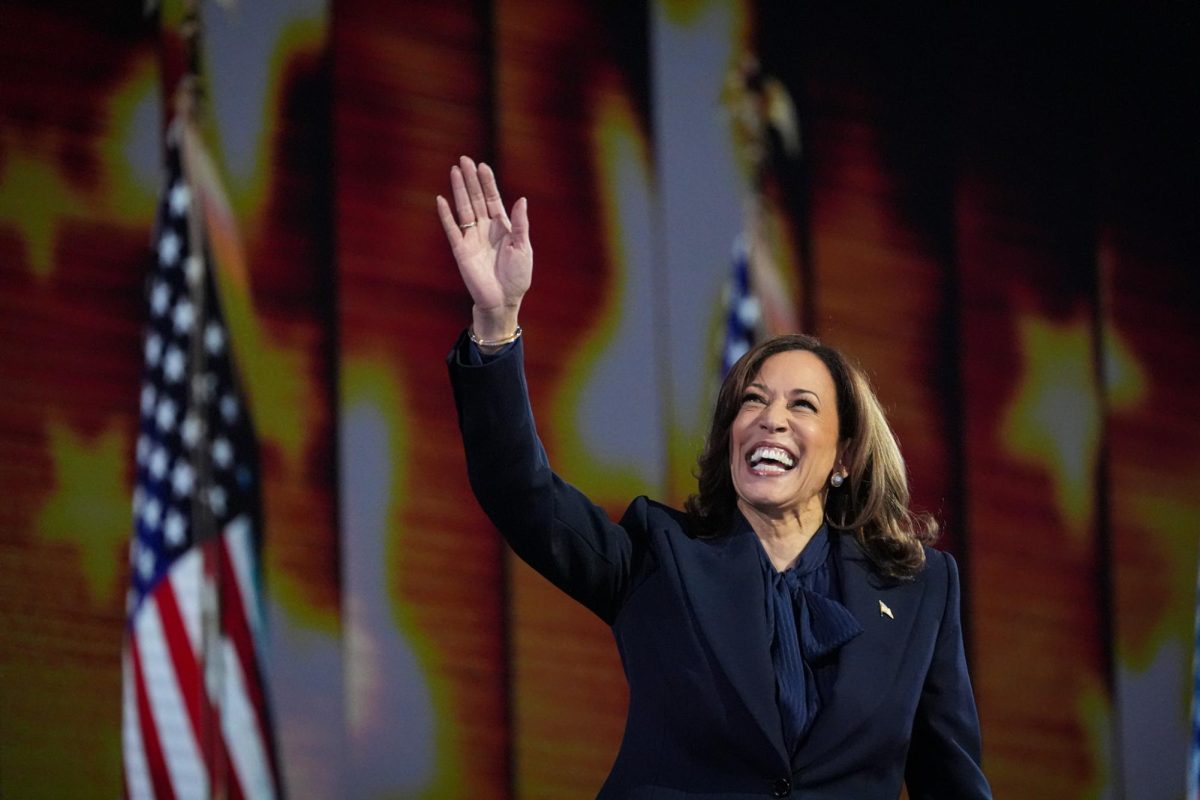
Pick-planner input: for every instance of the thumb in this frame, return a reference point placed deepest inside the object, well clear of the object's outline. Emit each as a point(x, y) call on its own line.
point(520, 223)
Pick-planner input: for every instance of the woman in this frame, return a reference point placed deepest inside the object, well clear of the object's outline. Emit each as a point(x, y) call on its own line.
point(789, 634)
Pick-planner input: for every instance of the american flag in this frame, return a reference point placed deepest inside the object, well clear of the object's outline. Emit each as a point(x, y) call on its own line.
point(194, 717)
point(743, 314)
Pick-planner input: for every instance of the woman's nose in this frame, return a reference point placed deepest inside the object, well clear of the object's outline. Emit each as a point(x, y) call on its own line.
point(771, 418)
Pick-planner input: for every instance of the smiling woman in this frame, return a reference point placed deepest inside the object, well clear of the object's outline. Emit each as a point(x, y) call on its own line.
point(789, 632)
point(784, 443)
point(850, 474)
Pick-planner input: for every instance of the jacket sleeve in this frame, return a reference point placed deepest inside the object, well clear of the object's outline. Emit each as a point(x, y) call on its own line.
point(548, 523)
point(944, 758)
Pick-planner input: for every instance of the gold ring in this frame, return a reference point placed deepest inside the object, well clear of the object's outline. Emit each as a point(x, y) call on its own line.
point(466, 225)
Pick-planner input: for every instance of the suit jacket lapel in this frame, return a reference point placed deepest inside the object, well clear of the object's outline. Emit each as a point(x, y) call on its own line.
point(866, 664)
point(728, 597)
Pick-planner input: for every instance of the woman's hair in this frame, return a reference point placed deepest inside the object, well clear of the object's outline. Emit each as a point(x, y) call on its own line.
point(872, 503)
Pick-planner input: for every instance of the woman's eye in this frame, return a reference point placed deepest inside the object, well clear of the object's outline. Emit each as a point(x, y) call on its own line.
point(752, 398)
point(804, 404)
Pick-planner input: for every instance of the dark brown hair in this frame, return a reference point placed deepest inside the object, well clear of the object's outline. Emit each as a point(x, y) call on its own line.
point(872, 503)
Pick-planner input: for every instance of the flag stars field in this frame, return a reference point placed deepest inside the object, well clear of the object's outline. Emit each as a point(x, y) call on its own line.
point(149, 398)
point(217, 500)
point(193, 269)
point(204, 386)
point(168, 250)
point(160, 299)
point(222, 453)
point(175, 529)
point(214, 339)
point(183, 317)
point(158, 464)
point(182, 478)
point(192, 430)
point(178, 199)
point(154, 347)
point(145, 564)
point(164, 416)
point(152, 513)
point(174, 366)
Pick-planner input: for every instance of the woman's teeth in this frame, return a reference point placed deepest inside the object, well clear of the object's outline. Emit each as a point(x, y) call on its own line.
point(777, 459)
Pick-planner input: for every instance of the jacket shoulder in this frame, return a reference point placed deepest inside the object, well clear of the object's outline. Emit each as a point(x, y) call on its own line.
point(644, 515)
point(940, 566)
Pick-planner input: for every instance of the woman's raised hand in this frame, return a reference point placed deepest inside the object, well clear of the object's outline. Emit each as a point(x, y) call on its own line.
point(493, 253)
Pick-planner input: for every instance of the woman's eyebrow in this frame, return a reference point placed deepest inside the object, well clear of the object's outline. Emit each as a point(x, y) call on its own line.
point(791, 392)
point(800, 391)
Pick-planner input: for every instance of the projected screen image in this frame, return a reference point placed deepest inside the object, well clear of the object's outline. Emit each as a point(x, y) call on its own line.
point(1012, 275)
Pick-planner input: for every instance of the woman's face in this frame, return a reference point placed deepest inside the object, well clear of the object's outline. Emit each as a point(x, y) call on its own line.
point(783, 443)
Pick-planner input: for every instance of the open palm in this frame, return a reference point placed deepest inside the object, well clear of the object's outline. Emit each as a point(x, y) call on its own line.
point(493, 253)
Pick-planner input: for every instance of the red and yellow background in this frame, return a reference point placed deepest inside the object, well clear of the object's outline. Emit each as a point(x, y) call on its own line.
point(995, 214)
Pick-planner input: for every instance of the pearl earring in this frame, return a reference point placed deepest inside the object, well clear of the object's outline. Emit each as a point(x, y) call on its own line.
point(836, 479)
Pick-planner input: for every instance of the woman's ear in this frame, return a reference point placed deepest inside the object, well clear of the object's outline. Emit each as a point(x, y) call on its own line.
point(839, 474)
point(839, 460)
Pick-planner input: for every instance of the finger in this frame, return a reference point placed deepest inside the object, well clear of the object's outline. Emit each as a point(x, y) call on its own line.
point(474, 189)
point(520, 224)
point(462, 203)
point(491, 194)
point(448, 222)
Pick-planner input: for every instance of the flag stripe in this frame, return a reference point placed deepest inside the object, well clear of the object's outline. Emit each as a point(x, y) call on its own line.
point(154, 755)
point(176, 737)
point(187, 580)
point(187, 669)
point(227, 784)
point(251, 760)
point(233, 785)
point(235, 781)
point(240, 548)
point(183, 658)
point(136, 783)
point(236, 626)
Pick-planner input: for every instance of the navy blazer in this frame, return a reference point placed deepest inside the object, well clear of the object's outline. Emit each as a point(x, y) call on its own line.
point(688, 615)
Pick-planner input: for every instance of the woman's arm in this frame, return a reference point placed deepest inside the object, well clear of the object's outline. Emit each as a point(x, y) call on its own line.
point(550, 524)
point(944, 755)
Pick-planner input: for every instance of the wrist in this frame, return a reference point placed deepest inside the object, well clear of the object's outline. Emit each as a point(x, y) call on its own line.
point(495, 324)
point(490, 347)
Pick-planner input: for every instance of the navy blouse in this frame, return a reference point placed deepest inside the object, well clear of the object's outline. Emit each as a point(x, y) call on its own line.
point(810, 624)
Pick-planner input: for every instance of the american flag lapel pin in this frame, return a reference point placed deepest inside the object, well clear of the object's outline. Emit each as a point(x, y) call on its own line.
point(884, 611)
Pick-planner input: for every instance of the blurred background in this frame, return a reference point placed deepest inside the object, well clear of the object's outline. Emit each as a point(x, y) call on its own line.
point(995, 213)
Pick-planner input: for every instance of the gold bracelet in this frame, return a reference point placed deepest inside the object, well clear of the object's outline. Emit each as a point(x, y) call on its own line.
point(495, 342)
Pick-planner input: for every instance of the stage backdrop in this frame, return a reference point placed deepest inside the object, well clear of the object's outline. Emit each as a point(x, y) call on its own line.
point(995, 216)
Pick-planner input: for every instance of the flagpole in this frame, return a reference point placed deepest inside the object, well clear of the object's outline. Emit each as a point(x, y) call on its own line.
point(188, 107)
